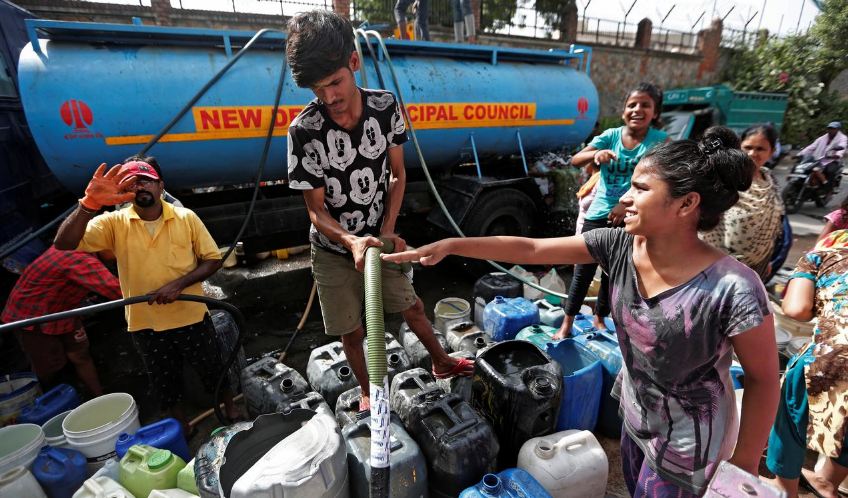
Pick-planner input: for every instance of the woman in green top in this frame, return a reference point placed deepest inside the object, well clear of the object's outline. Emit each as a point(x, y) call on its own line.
point(616, 151)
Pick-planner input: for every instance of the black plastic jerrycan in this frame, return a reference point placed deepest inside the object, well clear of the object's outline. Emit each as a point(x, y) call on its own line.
point(458, 443)
point(267, 383)
point(518, 388)
point(410, 389)
point(329, 373)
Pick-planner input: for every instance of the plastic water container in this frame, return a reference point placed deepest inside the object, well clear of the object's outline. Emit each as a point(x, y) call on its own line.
point(310, 462)
point(582, 381)
point(16, 391)
point(568, 464)
point(210, 457)
point(449, 311)
point(18, 482)
point(226, 337)
point(504, 317)
point(307, 401)
point(730, 480)
point(605, 346)
point(540, 335)
point(550, 314)
point(737, 375)
point(93, 427)
point(53, 433)
point(796, 344)
point(458, 444)
point(397, 360)
point(59, 471)
point(347, 407)
point(583, 324)
point(55, 401)
point(185, 478)
point(145, 468)
point(510, 483)
point(411, 389)
point(267, 383)
point(418, 354)
point(518, 388)
point(408, 476)
point(491, 285)
point(166, 434)
point(459, 384)
point(170, 493)
point(329, 373)
point(102, 487)
point(782, 338)
point(19, 445)
point(466, 336)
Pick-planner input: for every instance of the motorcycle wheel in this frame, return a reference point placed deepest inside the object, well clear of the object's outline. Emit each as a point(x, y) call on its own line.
point(822, 201)
point(792, 198)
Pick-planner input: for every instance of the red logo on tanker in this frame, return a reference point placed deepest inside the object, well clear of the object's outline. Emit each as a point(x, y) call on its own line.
point(582, 106)
point(77, 114)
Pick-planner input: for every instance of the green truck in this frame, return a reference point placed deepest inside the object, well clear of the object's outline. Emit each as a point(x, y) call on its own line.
point(687, 112)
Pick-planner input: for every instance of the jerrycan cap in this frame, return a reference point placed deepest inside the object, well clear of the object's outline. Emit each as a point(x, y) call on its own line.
point(542, 386)
point(159, 459)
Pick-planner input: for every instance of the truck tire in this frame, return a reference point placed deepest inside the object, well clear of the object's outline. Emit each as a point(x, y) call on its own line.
point(504, 211)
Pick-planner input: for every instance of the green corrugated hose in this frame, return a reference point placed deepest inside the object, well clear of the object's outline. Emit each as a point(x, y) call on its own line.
point(377, 374)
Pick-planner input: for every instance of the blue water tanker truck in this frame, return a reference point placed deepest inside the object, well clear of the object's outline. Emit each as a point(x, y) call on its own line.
point(95, 93)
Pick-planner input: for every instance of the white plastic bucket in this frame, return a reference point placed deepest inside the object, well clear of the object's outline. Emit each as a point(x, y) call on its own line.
point(19, 482)
point(53, 433)
point(19, 445)
point(16, 391)
point(450, 310)
point(93, 427)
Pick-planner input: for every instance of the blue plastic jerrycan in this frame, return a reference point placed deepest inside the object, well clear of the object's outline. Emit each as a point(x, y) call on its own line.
point(583, 324)
point(55, 401)
point(582, 379)
point(504, 317)
point(60, 471)
point(510, 483)
point(166, 434)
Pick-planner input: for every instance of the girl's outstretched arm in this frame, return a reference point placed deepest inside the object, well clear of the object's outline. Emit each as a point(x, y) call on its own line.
point(521, 250)
point(757, 353)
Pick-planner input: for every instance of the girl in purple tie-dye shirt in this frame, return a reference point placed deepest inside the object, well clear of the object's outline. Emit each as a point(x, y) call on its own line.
point(681, 308)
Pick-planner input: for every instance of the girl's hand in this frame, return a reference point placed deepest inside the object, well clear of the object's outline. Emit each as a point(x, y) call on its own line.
point(426, 255)
point(616, 216)
point(604, 156)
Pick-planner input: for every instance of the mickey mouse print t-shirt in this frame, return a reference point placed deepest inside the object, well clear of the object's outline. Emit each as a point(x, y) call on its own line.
point(351, 165)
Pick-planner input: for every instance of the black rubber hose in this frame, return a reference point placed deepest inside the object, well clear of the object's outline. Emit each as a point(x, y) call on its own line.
point(97, 308)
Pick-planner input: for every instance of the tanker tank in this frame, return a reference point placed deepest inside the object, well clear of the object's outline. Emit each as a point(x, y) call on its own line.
point(97, 93)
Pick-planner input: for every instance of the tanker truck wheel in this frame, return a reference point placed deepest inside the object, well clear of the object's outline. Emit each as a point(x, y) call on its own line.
point(503, 211)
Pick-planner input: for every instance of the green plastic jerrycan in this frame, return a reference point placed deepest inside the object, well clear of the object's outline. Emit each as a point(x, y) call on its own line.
point(145, 468)
point(185, 479)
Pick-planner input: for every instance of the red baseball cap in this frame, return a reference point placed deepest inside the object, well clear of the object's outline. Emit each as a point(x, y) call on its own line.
point(140, 168)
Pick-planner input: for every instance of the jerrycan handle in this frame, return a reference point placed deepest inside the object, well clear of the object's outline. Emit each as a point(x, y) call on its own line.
point(136, 451)
point(51, 394)
point(576, 443)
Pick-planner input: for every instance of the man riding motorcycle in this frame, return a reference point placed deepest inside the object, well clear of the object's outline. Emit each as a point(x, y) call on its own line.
point(827, 150)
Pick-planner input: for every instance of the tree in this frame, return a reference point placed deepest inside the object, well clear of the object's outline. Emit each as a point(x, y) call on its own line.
point(801, 66)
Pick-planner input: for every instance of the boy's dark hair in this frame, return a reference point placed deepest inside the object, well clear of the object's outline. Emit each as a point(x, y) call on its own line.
point(319, 44)
point(149, 160)
point(766, 130)
point(714, 167)
point(656, 95)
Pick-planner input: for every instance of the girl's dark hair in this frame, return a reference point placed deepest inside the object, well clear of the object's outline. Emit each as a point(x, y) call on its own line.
point(319, 44)
point(765, 130)
point(714, 167)
point(656, 95)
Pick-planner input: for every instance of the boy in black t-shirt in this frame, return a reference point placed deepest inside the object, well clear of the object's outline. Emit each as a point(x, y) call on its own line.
point(345, 154)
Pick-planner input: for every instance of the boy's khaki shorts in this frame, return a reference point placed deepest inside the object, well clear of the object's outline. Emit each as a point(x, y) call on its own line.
point(341, 291)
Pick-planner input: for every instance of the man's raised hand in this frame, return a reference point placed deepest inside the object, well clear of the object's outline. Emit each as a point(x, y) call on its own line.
point(107, 189)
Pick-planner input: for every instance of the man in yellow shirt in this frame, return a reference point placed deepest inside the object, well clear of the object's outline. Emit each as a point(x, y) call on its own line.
point(161, 250)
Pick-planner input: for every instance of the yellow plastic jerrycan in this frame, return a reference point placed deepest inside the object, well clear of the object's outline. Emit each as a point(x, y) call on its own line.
point(145, 468)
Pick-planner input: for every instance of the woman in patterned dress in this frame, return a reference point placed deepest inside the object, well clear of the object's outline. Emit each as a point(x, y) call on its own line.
point(681, 307)
point(749, 230)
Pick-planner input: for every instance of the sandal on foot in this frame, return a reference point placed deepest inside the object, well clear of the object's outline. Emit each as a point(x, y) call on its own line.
point(805, 483)
point(463, 367)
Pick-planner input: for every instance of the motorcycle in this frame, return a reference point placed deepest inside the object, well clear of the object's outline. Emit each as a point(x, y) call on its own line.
point(801, 185)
